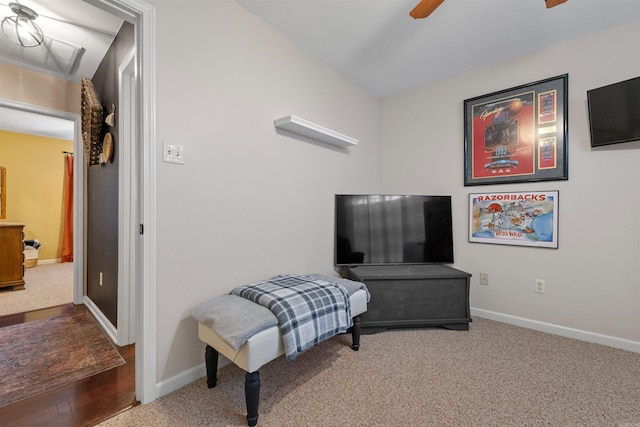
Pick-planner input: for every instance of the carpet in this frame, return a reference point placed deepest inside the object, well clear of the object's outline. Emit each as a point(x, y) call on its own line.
point(41, 355)
point(494, 375)
point(46, 285)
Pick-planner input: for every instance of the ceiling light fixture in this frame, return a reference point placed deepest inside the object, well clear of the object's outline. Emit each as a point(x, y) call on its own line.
point(21, 28)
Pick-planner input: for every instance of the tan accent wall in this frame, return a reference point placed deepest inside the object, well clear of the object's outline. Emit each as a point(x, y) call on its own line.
point(27, 86)
point(35, 176)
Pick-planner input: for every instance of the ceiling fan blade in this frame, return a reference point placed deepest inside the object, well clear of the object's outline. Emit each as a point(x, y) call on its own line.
point(552, 3)
point(426, 8)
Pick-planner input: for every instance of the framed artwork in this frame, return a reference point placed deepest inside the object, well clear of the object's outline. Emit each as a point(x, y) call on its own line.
point(517, 135)
point(527, 218)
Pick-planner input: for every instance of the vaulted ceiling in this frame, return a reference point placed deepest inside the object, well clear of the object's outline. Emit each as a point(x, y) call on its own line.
point(374, 43)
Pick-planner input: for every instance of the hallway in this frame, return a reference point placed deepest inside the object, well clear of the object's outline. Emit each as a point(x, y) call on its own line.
point(82, 403)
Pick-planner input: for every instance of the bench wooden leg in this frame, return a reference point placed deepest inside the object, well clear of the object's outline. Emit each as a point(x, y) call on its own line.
point(252, 396)
point(211, 364)
point(252, 379)
point(355, 333)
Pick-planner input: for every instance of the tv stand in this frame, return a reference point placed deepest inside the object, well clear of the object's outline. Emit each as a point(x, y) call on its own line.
point(404, 296)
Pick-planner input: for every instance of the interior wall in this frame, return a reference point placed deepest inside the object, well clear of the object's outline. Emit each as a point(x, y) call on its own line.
point(19, 84)
point(35, 177)
point(103, 185)
point(249, 202)
point(29, 87)
point(592, 279)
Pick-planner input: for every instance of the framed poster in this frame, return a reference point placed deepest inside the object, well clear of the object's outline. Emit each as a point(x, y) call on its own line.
point(517, 135)
point(522, 218)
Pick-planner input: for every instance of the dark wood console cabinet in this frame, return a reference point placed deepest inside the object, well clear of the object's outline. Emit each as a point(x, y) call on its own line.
point(11, 255)
point(413, 296)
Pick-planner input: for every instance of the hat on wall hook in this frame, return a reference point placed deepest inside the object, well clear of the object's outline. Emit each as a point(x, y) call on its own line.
point(111, 117)
point(107, 149)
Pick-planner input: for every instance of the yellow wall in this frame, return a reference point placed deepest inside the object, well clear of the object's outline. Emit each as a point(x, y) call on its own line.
point(35, 177)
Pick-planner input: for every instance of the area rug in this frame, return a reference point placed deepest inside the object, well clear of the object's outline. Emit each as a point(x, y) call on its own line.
point(41, 355)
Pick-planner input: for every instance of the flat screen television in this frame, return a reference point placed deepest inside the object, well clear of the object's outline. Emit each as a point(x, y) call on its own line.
point(378, 229)
point(614, 113)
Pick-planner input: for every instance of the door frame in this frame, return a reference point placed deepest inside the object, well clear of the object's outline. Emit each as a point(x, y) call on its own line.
point(142, 16)
point(78, 186)
point(129, 211)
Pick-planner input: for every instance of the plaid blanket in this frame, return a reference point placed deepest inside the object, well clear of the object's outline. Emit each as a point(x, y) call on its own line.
point(309, 309)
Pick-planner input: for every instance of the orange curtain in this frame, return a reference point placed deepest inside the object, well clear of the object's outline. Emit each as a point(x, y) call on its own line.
point(67, 225)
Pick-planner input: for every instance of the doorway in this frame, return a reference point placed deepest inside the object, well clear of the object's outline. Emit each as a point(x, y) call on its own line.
point(74, 121)
point(143, 18)
point(36, 147)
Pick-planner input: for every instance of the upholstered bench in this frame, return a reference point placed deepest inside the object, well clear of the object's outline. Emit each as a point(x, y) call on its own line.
point(248, 335)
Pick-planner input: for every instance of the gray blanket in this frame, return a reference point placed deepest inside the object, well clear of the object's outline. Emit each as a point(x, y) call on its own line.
point(309, 309)
point(351, 286)
point(236, 319)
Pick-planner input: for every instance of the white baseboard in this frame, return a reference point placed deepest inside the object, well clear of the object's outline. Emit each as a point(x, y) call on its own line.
point(180, 380)
point(186, 377)
point(106, 325)
point(49, 261)
point(562, 331)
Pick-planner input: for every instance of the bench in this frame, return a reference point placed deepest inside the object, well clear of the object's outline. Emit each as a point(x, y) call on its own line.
point(248, 335)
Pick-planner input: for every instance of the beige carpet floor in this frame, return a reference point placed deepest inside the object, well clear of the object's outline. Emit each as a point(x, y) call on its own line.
point(492, 375)
point(46, 285)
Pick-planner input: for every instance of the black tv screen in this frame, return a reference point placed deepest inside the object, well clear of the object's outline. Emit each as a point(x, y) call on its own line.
point(375, 229)
point(614, 113)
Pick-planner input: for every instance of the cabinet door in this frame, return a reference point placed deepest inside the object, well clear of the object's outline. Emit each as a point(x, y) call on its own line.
point(11, 255)
point(417, 301)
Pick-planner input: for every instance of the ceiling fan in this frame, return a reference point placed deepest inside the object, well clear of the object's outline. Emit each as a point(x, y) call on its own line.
point(426, 7)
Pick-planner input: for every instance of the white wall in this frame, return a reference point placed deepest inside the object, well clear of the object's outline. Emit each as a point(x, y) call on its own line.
point(248, 203)
point(593, 278)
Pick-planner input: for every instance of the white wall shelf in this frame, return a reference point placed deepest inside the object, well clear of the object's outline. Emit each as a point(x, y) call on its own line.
point(311, 130)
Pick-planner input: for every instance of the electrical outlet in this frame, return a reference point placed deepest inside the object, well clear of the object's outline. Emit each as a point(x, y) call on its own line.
point(484, 278)
point(538, 286)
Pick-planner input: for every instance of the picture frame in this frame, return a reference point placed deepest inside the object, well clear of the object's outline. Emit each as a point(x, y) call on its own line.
point(518, 134)
point(527, 218)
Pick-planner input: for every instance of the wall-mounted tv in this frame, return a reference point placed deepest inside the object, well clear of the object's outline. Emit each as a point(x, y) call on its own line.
point(614, 113)
point(378, 229)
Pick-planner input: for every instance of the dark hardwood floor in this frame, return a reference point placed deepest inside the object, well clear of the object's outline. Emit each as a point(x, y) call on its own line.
point(83, 403)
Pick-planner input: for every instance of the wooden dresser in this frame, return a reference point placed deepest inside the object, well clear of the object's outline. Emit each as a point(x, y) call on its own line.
point(11, 255)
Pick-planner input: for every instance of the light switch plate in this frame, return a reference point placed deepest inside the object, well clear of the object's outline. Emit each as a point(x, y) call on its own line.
point(173, 153)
